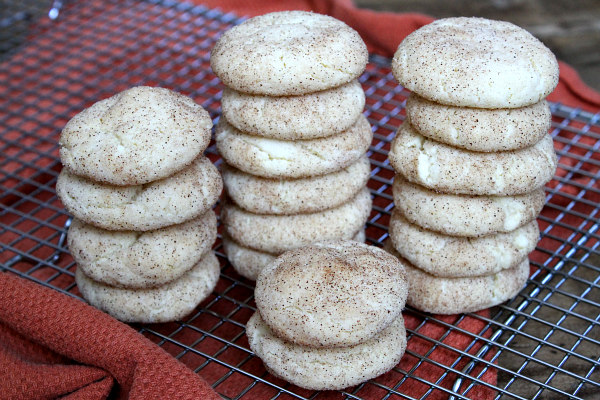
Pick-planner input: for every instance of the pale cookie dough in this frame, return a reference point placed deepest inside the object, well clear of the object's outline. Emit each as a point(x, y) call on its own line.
point(141, 259)
point(249, 262)
point(331, 294)
point(479, 129)
point(461, 295)
point(475, 62)
point(173, 200)
point(278, 233)
point(295, 196)
point(449, 256)
point(169, 302)
point(451, 170)
point(288, 53)
point(308, 116)
point(327, 368)
point(273, 158)
point(465, 215)
point(137, 136)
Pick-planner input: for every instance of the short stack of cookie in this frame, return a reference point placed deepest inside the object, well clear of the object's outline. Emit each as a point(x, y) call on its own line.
point(329, 315)
point(292, 135)
point(471, 160)
point(141, 193)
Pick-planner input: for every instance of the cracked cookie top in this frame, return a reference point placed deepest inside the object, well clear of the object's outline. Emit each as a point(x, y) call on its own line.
point(134, 137)
point(289, 53)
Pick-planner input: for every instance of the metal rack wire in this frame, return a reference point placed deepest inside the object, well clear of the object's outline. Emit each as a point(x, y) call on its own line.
point(545, 343)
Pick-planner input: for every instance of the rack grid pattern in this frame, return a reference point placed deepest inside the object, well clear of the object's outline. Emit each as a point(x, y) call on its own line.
point(543, 344)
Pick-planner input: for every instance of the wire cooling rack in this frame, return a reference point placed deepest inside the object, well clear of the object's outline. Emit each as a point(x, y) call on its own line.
point(545, 343)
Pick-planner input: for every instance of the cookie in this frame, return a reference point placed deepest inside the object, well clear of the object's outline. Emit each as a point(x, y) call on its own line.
point(169, 302)
point(475, 62)
point(173, 200)
point(249, 262)
point(449, 256)
point(273, 158)
point(327, 368)
point(331, 294)
point(293, 196)
point(465, 215)
point(288, 53)
point(278, 233)
point(137, 136)
point(479, 129)
point(309, 116)
point(141, 259)
point(439, 295)
point(452, 170)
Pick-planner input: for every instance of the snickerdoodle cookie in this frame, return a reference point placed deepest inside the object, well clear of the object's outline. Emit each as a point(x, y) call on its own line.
point(476, 62)
point(134, 137)
point(141, 259)
point(465, 215)
point(450, 256)
point(275, 158)
point(479, 129)
point(278, 233)
point(168, 302)
point(309, 116)
point(294, 196)
point(327, 368)
point(331, 294)
point(452, 170)
point(186, 194)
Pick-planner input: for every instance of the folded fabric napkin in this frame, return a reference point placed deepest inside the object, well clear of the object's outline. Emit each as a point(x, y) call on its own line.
point(52, 345)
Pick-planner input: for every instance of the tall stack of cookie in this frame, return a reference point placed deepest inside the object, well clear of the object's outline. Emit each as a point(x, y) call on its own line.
point(292, 135)
point(141, 193)
point(471, 160)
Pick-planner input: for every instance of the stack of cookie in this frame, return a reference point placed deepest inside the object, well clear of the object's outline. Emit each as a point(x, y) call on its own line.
point(471, 160)
point(292, 135)
point(329, 315)
point(141, 193)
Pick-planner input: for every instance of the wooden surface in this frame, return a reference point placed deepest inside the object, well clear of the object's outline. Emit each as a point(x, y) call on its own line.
point(570, 28)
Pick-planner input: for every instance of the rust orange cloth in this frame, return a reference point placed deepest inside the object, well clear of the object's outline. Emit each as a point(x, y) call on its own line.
point(54, 346)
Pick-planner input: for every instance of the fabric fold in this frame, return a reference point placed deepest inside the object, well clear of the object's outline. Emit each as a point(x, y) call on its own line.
point(53, 345)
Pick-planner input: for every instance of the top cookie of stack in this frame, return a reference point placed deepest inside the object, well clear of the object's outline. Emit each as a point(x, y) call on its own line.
point(292, 135)
point(141, 191)
point(471, 160)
